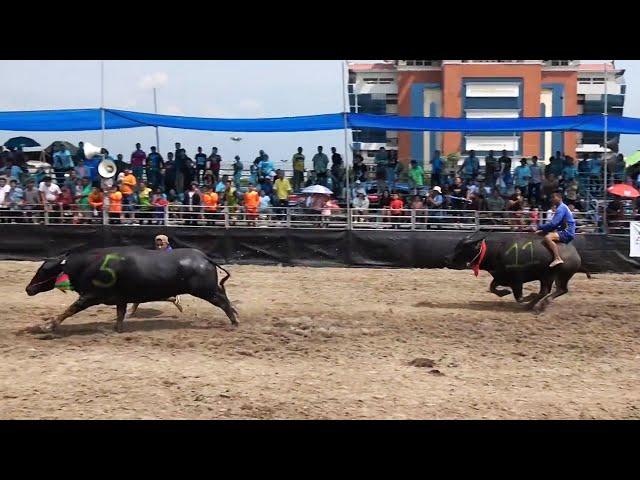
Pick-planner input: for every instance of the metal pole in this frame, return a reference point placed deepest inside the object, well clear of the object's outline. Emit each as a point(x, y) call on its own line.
point(345, 92)
point(155, 109)
point(604, 152)
point(102, 119)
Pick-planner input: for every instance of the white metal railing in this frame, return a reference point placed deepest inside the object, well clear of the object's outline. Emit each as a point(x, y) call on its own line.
point(237, 216)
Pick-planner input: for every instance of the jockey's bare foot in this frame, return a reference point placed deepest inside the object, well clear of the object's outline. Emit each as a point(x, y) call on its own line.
point(557, 261)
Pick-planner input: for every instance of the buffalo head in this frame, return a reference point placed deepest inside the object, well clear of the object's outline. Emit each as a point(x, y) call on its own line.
point(465, 252)
point(45, 278)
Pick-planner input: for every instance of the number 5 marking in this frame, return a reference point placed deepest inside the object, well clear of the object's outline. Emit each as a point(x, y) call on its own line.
point(104, 268)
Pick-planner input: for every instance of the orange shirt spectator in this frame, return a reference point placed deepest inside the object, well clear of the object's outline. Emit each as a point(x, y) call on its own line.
point(396, 205)
point(128, 182)
point(251, 200)
point(96, 199)
point(115, 205)
point(210, 200)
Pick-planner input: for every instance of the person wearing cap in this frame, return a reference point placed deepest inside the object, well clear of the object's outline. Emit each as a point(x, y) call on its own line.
point(237, 171)
point(161, 243)
point(360, 206)
point(434, 203)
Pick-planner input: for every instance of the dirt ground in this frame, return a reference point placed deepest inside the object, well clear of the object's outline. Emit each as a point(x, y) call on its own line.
point(336, 343)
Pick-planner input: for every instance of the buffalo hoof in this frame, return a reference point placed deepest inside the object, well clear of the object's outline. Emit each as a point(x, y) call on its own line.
point(501, 293)
point(119, 328)
point(538, 308)
point(46, 328)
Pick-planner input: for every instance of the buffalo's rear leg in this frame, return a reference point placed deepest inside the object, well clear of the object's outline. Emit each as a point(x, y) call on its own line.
point(561, 288)
point(496, 291)
point(122, 311)
point(219, 299)
point(545, 288)
point(517, 291)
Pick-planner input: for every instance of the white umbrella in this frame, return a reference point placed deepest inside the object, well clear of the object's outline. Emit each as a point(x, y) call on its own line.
point(317, 189)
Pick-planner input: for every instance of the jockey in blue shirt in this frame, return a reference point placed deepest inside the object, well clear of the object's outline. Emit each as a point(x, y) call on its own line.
point(562, 228)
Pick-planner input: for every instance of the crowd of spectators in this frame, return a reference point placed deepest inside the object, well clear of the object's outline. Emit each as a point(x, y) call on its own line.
point(146, 185)
point(495, 186)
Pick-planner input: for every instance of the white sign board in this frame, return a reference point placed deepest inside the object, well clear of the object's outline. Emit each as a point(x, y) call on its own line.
point(482, 89)
point(634, 239)
point(497, 144)
point(492, 113)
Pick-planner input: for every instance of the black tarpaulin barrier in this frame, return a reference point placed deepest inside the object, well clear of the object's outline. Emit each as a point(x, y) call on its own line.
point(281, 246)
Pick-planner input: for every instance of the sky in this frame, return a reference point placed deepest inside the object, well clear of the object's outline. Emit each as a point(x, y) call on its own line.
point(231, 89)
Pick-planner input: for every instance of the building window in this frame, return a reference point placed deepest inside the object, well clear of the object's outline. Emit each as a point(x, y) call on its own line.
point(392, 99)
point(560, 63)
point(419, 63)
point(378, 80)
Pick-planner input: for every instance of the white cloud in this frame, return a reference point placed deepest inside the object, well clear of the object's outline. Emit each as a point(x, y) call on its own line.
point(153, 80)
point(249, 105)
point(173, 110)
point(214, 111)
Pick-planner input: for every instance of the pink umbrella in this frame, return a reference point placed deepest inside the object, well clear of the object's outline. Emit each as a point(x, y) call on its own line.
point(623, 190)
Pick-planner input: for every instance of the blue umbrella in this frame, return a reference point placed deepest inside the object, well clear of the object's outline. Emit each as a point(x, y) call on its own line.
point(18, 142)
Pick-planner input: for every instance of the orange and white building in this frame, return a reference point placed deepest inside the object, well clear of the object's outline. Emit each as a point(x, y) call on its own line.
point(482, 89)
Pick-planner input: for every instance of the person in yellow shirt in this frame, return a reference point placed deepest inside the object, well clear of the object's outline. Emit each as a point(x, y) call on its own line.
point(282, 188)
point(251, 202)
point(298, 170)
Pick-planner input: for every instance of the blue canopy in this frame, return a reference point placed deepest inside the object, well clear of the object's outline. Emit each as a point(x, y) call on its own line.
point(90, 119)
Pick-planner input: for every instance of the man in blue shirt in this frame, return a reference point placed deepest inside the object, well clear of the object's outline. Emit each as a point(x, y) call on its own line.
point(437, 164)
point(155, 164)
point(562, 228)
point(523, 174)
point(470, 167)
point(62, 162)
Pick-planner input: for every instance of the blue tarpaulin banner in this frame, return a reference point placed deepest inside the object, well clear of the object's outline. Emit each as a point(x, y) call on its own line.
point(91, 119)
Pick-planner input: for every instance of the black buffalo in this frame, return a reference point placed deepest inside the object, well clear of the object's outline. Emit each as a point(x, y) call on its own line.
point(122, 275)
point(513, 260)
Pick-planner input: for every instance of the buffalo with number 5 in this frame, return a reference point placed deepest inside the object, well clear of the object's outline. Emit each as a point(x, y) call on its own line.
point(513, 260)
point(121, 275)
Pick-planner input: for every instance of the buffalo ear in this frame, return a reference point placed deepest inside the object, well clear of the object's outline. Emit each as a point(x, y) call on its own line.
point(474, 238)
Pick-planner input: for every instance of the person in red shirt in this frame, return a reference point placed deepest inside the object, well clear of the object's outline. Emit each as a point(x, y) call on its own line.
point(396, 209)
point(138, 162)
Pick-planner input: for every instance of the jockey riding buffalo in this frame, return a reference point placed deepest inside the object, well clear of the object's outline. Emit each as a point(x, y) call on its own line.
point(513, 260)
point(122, 275)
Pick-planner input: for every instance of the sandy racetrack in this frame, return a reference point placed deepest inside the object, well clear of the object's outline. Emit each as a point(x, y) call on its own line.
point(329, 343)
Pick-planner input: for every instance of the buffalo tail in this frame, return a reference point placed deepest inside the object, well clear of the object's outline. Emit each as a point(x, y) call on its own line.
point(585, 271)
